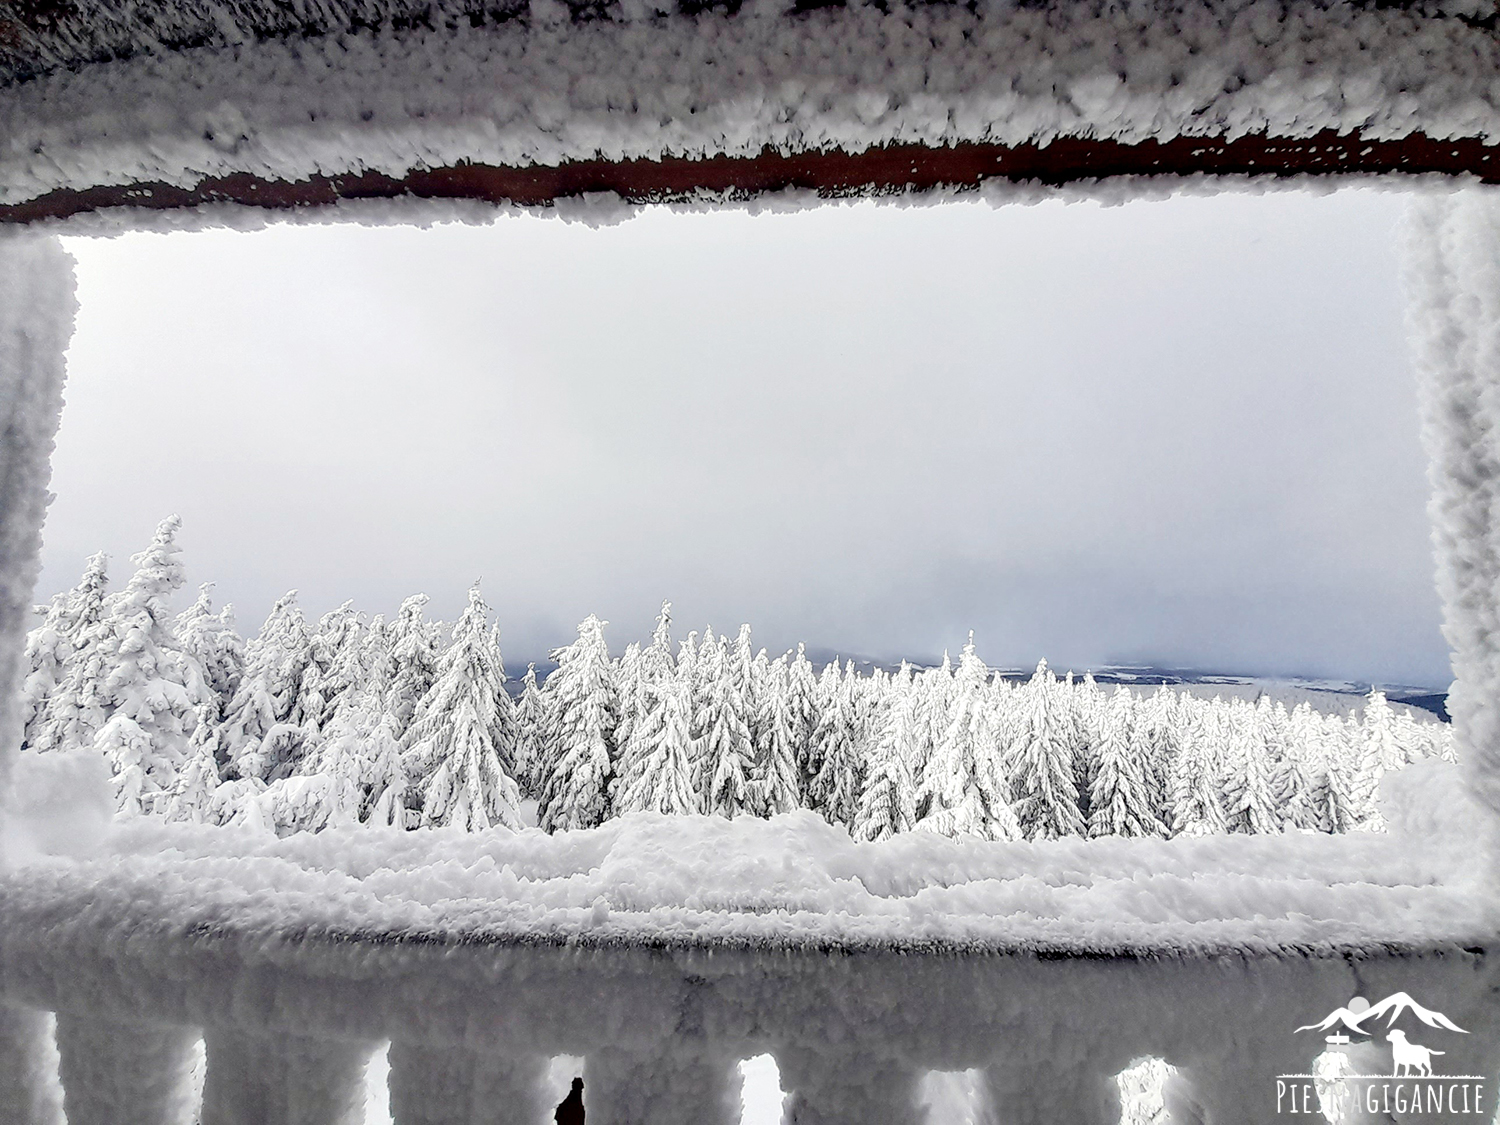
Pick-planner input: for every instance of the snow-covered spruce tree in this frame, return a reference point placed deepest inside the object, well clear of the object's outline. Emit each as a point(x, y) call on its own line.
point(964, 791)
point(833, 791)
point(1248, 802)
point(888, 799)
point(726, 755)
point(943, 689)
point(1089, 712)
point(1289, 780)
point(803, 707)
point(1040, 763)
point(662, 778)
point(777, 781)
point(867, 697)
point(138, 678)
point(388, 794)
point(1446, 743)
point(336, 782)
point(415, 646)
point(1004, 708)
point(658, 653)
point(630, 693)
point(636, 684)
point(1366, 757)
point(259, 738)
point(1197, 779)
point(741, 667)
point(1159, 744)
point(191, 798)
point(218, 649)
point(931, 689)
point(510, 730)
point(374, 660)
point(328, 791)
point(531, 734)
point(48, 649)
point(829, 722)
point(1413, 738)
point(940, 799)
point(687, 660)
point(287, 743)
point(752, 680)
point(1332, 803)
point(1377, 734)
point(575, 788)
point(1121, 802)
point(462, 732)
point(213, 641)
point(707, 665)
point(335, 661)
point(359, 743)
point(60, 641)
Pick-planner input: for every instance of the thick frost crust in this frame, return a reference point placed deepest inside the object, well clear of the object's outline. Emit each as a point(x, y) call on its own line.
point(37, 305)
point(545, 89)
point(1453, 278)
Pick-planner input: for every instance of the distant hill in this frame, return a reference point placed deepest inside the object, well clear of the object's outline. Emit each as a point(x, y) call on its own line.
point(1330, 697)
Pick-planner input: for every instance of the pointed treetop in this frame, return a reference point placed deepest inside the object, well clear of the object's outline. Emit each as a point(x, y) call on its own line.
point(158, 570)
point(661, 636)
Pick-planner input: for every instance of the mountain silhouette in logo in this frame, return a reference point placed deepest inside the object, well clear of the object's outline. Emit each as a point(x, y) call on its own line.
point(1360, 1011)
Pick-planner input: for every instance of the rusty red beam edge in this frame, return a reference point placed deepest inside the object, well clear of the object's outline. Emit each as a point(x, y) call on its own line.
point(834, 173)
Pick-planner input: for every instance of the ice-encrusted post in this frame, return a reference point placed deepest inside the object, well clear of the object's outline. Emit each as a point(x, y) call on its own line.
point(1453, 284)
point(37, 305)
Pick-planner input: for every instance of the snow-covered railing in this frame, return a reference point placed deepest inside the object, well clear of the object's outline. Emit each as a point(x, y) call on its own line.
point(666, 950)
point(255, 105)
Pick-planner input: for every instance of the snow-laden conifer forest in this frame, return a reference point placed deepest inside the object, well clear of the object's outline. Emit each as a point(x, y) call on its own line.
point(411, 722)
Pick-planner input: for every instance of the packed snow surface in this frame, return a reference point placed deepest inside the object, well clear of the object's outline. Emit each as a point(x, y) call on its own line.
point(793, 881)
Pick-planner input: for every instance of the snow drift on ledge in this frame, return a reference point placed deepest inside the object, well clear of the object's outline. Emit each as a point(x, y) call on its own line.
point(791, 882)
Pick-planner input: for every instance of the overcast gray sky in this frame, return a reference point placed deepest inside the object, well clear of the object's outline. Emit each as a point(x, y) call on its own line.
point(1179, 432)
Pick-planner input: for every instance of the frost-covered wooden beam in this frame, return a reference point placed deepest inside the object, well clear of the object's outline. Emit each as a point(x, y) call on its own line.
point(884, 170)
point(678, 104)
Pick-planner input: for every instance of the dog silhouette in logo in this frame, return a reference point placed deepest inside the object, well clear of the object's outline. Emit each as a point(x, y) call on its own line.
point(1409, 1057)
point(570, 1110)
